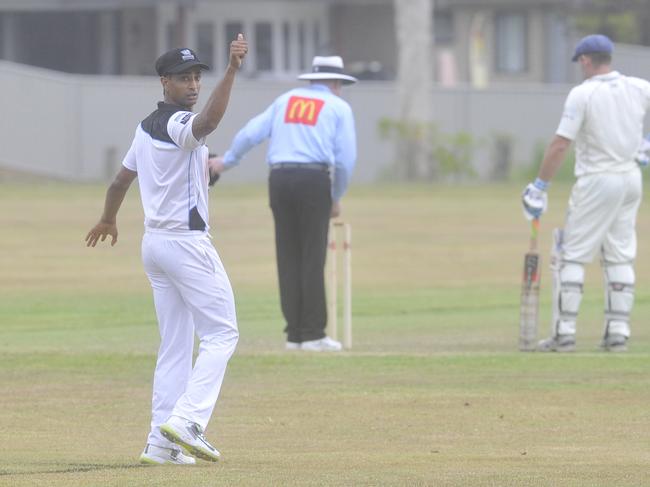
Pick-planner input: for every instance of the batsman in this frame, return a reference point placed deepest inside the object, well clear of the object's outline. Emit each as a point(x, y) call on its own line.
point(604, 117)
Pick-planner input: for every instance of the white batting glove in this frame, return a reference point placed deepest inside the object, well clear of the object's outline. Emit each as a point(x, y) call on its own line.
point(534, 199)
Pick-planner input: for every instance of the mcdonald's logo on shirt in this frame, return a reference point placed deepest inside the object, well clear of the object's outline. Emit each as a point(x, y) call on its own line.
point(303, 110)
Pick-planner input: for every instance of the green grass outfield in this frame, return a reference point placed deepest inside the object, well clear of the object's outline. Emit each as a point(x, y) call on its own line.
point(433, 393)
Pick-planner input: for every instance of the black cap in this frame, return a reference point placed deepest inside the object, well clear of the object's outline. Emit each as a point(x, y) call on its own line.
point(177, 61)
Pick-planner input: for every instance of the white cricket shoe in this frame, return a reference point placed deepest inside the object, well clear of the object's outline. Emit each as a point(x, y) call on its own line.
point(158, 455)
point(558, 343)
point(325, 344)
point(292, 346)
point(189, 435)
point(614, 342)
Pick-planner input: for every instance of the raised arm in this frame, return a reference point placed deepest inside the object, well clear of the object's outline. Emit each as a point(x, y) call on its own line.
point(208, 120)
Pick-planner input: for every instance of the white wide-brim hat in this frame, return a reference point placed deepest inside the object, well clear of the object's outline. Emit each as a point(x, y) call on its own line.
point(328, 67)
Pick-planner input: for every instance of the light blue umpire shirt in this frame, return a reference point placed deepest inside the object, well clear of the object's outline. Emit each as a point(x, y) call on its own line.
point(305, 125)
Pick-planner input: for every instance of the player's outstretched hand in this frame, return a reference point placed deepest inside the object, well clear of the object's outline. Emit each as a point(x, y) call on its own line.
point(238, 51)
point(100, 232)
point(534, 199)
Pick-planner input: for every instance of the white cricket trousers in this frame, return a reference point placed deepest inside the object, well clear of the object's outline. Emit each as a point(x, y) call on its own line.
point(602, 217)
point(192, 294)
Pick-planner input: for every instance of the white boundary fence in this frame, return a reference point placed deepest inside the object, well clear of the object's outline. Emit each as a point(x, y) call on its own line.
point(77, 127)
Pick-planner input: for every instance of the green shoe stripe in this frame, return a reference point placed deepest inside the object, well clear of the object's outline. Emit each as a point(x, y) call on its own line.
point(147, 461)
point(171, 435)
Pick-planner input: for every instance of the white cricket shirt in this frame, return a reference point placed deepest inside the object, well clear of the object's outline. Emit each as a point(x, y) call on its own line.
point(172, 170)
point(604, 116)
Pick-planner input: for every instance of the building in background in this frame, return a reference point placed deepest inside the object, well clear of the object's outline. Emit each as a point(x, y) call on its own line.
point(513, 41)
point(124, 36)
point(501, 68)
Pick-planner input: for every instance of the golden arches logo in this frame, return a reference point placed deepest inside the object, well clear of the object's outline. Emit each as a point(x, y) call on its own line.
point(302, 107)
point(303, 110)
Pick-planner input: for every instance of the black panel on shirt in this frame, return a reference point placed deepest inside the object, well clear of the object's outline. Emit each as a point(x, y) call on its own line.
point(156, 123)
point(196, 221)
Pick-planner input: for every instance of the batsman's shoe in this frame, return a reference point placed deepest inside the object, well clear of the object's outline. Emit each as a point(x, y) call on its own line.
point(292, 346)
point(158, 455)
point(189, 435)
point(558, 343)
point(614, 343)
point(325, 344)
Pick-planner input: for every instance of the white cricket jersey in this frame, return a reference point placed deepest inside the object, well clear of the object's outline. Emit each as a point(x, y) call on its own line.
point(604, 116)
point(172, 171)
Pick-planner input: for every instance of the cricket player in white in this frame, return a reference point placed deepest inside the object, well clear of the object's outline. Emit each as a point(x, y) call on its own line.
point(604, 116)
point(192, 293)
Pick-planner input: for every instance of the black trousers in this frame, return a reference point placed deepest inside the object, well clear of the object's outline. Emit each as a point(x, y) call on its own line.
point(301, 202)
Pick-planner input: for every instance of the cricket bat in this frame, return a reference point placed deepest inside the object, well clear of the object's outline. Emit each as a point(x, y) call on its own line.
point(529, 308)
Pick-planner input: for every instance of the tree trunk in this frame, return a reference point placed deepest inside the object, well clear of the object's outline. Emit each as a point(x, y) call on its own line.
point(413, 27)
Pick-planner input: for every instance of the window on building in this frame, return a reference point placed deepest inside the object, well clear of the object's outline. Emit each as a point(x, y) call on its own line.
point(230, 32)
point(443, 27)
point(511, 43)
point(205, 42)
point(557, 32)
point(3, 54)
point(302, 48)
point(171, 35)
point(317, 47)
point(278, 47)
point(286, 45)
point(62, 31)
point(264, 46)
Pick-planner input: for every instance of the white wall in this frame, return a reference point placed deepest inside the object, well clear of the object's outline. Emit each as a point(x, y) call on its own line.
point(632, 60)
point(39, 126)
point(78, 127)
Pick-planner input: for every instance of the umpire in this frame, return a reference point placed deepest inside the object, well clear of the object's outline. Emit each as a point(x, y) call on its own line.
point(312, 134)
